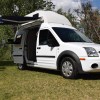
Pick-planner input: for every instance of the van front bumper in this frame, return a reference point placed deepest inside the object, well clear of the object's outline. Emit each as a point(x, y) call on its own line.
point(91, 64)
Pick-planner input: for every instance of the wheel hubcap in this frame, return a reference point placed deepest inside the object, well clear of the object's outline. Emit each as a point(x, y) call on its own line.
point(20, 66)
point(67, 68)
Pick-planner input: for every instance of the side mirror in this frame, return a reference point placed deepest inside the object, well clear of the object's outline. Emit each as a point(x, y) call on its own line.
point(10, 41)
point(52, 43)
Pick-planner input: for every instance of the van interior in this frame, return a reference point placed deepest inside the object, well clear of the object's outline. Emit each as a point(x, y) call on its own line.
point(30, 44)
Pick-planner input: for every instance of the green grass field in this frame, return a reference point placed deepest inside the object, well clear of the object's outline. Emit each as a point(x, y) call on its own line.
point(36, 84)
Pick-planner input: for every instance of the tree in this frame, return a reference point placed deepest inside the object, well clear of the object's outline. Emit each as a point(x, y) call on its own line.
point(90, 21)
point(7, 7)
point(18, 8)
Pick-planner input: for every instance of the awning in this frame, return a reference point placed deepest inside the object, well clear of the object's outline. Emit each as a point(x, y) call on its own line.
point(13, 20)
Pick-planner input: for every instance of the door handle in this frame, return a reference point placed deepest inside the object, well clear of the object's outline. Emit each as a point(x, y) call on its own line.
point(38, 47)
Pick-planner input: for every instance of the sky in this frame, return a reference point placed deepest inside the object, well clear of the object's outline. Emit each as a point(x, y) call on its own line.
point(73, 4)
point(96, 3)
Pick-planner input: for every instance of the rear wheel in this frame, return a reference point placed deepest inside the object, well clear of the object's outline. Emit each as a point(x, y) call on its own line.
point(68, 68)
point(22, 66)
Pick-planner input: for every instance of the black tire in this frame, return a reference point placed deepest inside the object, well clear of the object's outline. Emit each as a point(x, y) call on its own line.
point(22, 67)
point(69, 68)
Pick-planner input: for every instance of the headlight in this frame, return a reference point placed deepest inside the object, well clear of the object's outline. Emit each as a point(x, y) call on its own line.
point(91, 52)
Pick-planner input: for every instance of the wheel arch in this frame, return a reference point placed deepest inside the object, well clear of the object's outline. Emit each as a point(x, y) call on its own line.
point(73, 56)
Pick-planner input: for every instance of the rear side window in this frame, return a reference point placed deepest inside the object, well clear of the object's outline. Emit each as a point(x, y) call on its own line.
point(18, 39)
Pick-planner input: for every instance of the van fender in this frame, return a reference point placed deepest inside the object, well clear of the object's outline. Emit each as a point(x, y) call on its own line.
point(73, 56)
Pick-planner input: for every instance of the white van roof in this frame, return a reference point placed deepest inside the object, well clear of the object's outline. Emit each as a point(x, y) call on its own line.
point(51, 17)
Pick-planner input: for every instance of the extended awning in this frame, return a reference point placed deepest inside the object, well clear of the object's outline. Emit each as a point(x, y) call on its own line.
point(13, 20)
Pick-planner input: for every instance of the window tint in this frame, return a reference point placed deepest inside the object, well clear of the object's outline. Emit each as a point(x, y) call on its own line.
point(43, 37)
point(70, 35)
point(46, 37)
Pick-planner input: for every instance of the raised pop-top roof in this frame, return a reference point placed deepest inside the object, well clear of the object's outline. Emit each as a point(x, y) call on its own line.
point(51, 17)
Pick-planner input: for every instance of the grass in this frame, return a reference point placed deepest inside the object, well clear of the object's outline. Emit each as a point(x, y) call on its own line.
point(36, 84)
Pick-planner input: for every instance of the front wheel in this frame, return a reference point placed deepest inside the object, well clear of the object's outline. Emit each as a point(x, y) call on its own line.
point(68, 68)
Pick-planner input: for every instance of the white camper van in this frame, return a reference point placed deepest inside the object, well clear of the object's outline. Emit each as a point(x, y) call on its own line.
point(51, 42)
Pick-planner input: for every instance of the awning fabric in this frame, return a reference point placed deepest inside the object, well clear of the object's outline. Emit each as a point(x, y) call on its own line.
point(13, 20)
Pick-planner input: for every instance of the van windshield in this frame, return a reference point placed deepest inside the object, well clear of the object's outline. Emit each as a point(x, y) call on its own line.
point(71, 35)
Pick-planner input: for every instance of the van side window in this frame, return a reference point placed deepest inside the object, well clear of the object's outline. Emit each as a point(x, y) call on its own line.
point(43, 37)
point(18, 39)
point(47, 37)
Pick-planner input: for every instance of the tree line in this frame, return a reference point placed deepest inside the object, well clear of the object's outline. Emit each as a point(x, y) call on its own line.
point(85, 19)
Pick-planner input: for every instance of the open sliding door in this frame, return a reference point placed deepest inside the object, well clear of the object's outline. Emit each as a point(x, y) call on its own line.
point(19, 40)
point(25, 43)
